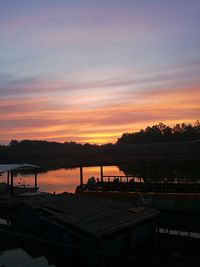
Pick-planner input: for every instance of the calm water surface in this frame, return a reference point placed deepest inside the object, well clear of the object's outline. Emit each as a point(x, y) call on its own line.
point(67, 179)
point(63, 180)
point(20, 258)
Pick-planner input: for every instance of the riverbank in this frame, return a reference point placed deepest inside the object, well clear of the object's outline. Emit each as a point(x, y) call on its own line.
point(60, 155)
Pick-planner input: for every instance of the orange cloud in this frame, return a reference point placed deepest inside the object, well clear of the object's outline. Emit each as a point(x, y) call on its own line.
point(88, 120)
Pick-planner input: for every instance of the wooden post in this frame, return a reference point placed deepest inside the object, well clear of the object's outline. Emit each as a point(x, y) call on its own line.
point(11, 184)
point(8, 177)
point(35, 180)
point(101, 169)
point(81, 178)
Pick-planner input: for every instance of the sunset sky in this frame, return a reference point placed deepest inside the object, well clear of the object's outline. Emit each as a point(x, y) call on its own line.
point(88, 71)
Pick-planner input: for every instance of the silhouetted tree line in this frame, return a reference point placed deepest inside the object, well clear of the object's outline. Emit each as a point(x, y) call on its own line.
point(159, 142)
point(52, 153)
point(163, 133)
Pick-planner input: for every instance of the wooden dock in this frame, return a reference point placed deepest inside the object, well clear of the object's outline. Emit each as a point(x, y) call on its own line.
point(133, 184)
point(130, 183)
point(163, 194)
point(88, 223)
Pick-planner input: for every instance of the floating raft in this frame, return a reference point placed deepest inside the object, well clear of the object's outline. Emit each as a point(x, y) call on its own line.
point(88, 223)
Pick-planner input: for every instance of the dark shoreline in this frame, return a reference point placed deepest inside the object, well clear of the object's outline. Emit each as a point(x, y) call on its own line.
point(51, 156)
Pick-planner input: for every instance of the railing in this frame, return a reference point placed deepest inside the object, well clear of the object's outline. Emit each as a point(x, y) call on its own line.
point(128, 183)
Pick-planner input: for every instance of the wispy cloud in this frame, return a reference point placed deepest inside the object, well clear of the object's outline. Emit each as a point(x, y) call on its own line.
point(40, 85)
point(41, 118)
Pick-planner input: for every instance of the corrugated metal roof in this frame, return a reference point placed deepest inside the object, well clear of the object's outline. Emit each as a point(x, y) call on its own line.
point(13, 167)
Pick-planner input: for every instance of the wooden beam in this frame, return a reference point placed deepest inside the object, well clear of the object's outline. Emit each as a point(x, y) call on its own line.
point(35, 180)
point(8, 177)
point(11, 184)
point(101, 171)
point(81, 178)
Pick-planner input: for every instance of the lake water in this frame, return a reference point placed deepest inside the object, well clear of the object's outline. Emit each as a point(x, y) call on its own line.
point(67, 179)
point(20, 258)
point(62, 180)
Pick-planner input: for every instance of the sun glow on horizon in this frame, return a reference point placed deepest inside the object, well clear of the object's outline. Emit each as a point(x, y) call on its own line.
point(89, 73)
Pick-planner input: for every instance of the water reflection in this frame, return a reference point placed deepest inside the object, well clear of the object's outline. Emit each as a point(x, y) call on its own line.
point(62, 180)
point(19, 257)
point(5, 223)
point(160, 170)
point(67, 179)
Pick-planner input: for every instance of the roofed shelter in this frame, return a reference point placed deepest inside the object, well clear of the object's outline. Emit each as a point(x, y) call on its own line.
point(10, 168)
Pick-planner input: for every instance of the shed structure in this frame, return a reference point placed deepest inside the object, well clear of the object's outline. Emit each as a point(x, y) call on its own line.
point(89, 223)
point(10, 168)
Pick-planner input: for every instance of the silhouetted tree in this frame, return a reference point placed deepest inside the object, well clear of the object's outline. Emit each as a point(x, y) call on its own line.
point(162, 133)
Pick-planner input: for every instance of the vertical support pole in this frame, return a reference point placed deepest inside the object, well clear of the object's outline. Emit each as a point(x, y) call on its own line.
point(101, 173)
point(81, 178)
point(11, 184)
point(35, 180)
point(101, 170)
point(8, 177)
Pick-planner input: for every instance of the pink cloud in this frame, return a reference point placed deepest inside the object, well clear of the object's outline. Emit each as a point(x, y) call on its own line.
point(40, 119)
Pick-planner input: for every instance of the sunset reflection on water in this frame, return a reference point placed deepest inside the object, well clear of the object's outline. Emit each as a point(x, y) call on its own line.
point(64, 180)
